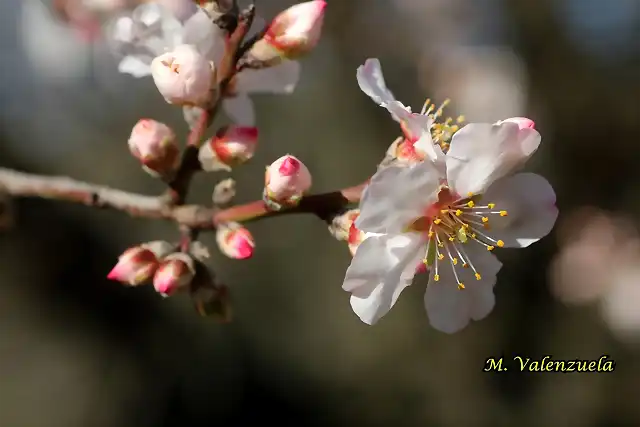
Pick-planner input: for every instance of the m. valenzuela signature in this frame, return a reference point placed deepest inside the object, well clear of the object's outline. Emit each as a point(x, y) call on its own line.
point(548, 364)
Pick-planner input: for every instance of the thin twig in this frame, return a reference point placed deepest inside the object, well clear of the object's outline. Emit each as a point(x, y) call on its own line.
point(190, 217)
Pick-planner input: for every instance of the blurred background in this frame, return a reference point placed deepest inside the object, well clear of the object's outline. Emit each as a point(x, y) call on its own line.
point(78, 350)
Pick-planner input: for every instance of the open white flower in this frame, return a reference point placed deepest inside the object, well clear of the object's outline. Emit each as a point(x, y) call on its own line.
point(151, 30)
point(451, 218)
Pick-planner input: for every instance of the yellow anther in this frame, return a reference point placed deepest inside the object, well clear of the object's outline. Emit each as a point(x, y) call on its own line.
point(436, 277)
point(444, 211)
point(425, 261)
point(440, 257)
point(440, 245)
point(485, 219)
point(471, 204)
point(437, 221)
point(503, 213)
point(430, 234)
point(478, 276)
point(460, 286)
point(455, 261)
point(473, 235)
point(465, 225)
point(460, 119)
point(451, 238)
point(491, 205)
point(470, 194)
point(458, 212)
point(500, 243)
point(490, 248)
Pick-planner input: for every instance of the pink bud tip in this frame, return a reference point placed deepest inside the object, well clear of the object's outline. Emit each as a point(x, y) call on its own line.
point(113, 275)
point(289, 167)
point(522, 122)
point(244, 249)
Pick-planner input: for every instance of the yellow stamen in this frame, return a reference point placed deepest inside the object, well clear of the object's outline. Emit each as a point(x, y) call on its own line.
point(504, 213)
point(471, 204)
point(491, 205)
point(458, 212)
point(485, 219)
point(490, 248)
point(436, 277)
point(478, 276)
point(500, 243)
point(460, 286)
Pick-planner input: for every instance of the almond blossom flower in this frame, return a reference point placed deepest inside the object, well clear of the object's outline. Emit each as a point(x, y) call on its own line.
point(151, 30)
point(451, 218)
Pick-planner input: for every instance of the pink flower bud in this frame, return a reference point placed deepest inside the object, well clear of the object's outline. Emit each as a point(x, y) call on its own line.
point(286, 180)
point(293, 33)
point(235, 241)
point(137, 265)
point(183, 76)
point(522, 122)
point(174, 273)
point(154, 144)
point(231, 146)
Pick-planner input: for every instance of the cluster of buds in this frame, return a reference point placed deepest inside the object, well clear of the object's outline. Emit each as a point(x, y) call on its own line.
point(286, 181)
point(292, 34)
point(154, 145)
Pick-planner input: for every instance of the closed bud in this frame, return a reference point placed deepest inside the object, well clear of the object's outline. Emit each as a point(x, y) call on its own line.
point(224, 191)
point(174, 273)
point(293, 33)
point(235, 241)
point(286, 180)
point(183, 76)
point(341, 224)
point(231, 146)
point(138, 264)
point(154, 145)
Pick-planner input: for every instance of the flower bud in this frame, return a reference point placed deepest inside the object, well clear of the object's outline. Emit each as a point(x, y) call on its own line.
point(174, 273)
point(138, 264)
point(293, 33)
point(154, 144)
point(286, 180)
point(522, 122)
point(224, 191)
point(183, 76)
point(235, 241)
point(231, 146)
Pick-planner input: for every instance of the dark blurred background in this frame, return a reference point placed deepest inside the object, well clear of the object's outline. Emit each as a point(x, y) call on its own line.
point(78, 350)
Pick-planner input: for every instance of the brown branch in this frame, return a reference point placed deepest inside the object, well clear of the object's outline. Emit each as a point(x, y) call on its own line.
point(189, 217)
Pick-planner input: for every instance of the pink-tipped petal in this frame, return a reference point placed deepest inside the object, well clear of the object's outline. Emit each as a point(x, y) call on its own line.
point(522, 122)
point(289, 166)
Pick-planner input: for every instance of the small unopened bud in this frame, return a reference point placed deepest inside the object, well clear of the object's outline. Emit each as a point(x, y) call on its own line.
point(231, 146)
point(174, 273)
point(224, 191)
point(341, 224)
point(183, 76)
point(293, 33)
point(235, 241)
point(154, 144)
point(522, 122)
point(286, 181)
point(138, 264)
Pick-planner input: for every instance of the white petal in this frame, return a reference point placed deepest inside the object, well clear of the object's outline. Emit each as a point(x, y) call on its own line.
point(200, 31)
point(450, 309)
point(530, 203)
point(123, 29)
point(396, 196)
point(481, 153)
point(381, 268)
point(282, 78)
point(240, 109)
point(135, 66)
point(371, 81)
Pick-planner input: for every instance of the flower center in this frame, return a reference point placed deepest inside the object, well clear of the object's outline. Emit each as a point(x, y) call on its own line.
point(449, 225)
